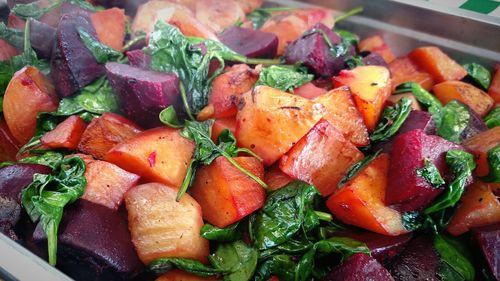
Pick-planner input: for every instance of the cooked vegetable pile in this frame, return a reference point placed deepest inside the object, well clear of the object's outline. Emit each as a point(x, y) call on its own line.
point(226, 140)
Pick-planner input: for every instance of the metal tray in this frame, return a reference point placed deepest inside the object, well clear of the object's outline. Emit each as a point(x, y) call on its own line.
point(405, 25)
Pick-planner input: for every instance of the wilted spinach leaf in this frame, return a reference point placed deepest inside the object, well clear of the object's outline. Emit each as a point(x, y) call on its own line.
point(479, 74)
point(162, 265)
point(259, 16)
point(491, 120)
point(283, 214)
point(237, 260)
point(354, 61)
point(281, 266)
point(392, 119)
point(284, 77)
point(429, 101)
point(227, 234)
point(452, 254)
point(356, 168)
point(431, 174)
point(48, 158)
point(454, 119)
point(45, 198)
point(347, 36)
point(411, 220)
point(168, 116)
point(13, 36)
point(101, 52)
point(493, 157)
point(36, 10)
point(97, 97)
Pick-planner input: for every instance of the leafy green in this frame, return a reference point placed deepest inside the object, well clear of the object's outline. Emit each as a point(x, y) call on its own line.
point(13, 36)
point(491, 120)
point(431, 174)
point(45, 198)
point(206, 151)
point(454, 119)
point(281, 266)
point(284, 77)
point(348, 36)
point(162, 265)
point(101, 52)
point(36, 11)
point(356, 168)
point(411, 220)
point(190, 58)
point(344, 246)
point(97, 97)
point(227, 234)
point(479, 74)
point(354, 61)
point(452, 254)
point(283, 214)
point(392, 119)
point(47, 158)
point(429, 101)
point(462, 164)
point(493, 157)
point(168, 116)
point(259, 16)
point(349, 13)
point(236, 259)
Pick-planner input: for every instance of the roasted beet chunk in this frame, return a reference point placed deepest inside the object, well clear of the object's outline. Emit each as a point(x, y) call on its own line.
point(250, 43)
point(139, 59)
point(312, 50)
point(374, 59)
point(42, 38)
point(143, 93)
point(488, 238)
point(359, 267)
point(94, 243)
point(419, 261)
point(475, 126)
point(72, 65)
point(407, 190)
point(12, 181)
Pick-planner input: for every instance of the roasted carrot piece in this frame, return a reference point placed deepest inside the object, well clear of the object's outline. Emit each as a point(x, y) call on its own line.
point(66, 135)
point(437, 63)
point(376, 44)
point(475, 98)
point(110, 27)
point(222, 124)
point(479, 145)
point(404, 70)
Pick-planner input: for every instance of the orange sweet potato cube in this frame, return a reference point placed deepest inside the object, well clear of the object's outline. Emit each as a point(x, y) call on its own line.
point(404, 70)
point(275, 178)
point(222, 124)
point(376, 44)
point(479, 145)
point(475, 98)
point(66, 135)
point(160, 155)
point(225, 194)
point(105, 132)
point(270, 122)
point(309, 91)
point(370, 87)
point(437, 63)
point(361, 201)
point(110, 27)
point(494, 89)
point(321, 158)
point(342, 113)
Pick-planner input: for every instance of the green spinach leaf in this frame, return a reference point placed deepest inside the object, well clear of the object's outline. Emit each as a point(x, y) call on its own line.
point(429, 101)
point(356, 168)
point(227, 234)
point(411, 220)
point(452, 254)
point(392, 119)
point(260, 16)
point(45, 198)
point(454, 119)
point(36, 10)
point(13, 36)
point(48, 158)
point(354, 61)
point(236, 259)
point(163, 265)
point(168, 116)
point(493, 157)
point(283, 214)
point(479, 74)
point(101, 52)
point(462, 164)
point(281, 266)
point(431, 174)
point(492, 120)
point(97, 97)
point(284, 77)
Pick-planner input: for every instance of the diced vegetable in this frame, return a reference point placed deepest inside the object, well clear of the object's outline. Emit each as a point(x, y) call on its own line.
point(28, 93)
point(225, 194)
point(228, 87)
point(479, 145)
point(437, 63)
point(314, 50)
point(393, 99)
point(218, 15)
point(479, 206)
point(139, 58)
point(143, 93)
point(275, 178)
point(359, 267)
point(488, 238)
point(376, 44)
point(249, 5)
point(370, 87)
point(410, 187)
point(473, 97)
point(73, 66)
point(8, 144)
point(97, 239)
point(42, 38)
point(321, 158)
point(159, 155)
point(494, 89)
point(372, 59)
point(162, 227)
point(404, 70)
point(250, 43)
point(287, 29)
point(107, 183)
point(179, 275)
point(7, 51)
point(103, 133)
point(66, 135)
point(360, 202)
point(270, 122)
point(309, 91)
point(222, 124)
point(110, 27)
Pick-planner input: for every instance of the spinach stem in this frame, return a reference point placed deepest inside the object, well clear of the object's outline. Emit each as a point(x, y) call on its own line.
point(324, 216)
point(249, 152)
point(27, 42)
point(186, 182)
point(185, 101)
point(261, 61)
point(349, 13)
point(244, 171)
point(133, 41)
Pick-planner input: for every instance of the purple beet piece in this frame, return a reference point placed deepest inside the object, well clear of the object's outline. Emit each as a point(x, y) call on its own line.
point(312, 50)
point(72, 65)
point(488, 238)
point(406, 190)
point(249, 42)
point(475, 126)
point(383, 248)
point(139, 59)
point(419, 261)
point(68, 8)
point(359, 267)
point(144, 93)
point(12, 181)
point(94, 243)
point(374, 59)
point(42, 38)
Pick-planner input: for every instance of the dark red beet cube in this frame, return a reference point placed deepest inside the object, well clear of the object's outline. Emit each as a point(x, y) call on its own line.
point(249, 42)
point(359, 267)
point(488, 238)
point(139, 59)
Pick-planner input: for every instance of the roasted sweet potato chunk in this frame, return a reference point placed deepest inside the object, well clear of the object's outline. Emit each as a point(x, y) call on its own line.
point(66, 135)
point(479, 145)
point(437, 63)
point(110, 27)
point(376, 44)
point(473, 97)
point(404, 70)
point(494, 89)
